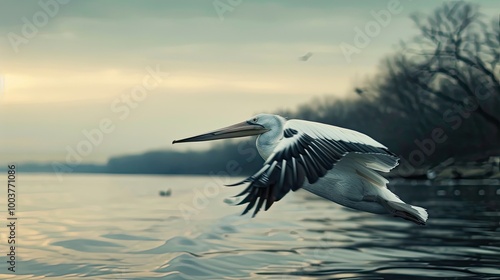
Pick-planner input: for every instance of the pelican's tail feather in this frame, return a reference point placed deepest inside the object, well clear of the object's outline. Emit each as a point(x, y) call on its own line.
point(412, 213)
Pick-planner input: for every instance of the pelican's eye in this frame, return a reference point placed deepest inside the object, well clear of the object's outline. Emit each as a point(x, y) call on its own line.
point(254, 119)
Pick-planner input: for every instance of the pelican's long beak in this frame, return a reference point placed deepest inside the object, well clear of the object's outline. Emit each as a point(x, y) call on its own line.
point(238, 130)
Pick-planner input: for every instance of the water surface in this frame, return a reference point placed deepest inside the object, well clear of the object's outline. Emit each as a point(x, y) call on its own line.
point(119, 227)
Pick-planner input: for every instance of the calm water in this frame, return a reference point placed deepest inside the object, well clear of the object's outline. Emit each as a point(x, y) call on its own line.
point(118, 227)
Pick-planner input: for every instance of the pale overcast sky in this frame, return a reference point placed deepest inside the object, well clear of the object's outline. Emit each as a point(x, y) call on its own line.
point(66, 67)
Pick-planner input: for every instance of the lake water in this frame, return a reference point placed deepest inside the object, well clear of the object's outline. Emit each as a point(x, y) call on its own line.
point(119, 227)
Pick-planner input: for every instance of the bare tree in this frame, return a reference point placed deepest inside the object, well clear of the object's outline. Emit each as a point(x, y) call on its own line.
point(457, 56)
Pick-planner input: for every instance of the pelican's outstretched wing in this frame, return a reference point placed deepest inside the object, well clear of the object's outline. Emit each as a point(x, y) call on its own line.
point(308, 150)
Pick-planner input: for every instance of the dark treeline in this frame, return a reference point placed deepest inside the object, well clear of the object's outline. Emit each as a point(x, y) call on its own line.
point(229, 158)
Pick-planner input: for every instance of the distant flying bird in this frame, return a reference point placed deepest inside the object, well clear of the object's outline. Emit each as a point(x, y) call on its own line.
point(335, 163)
point(306, 56)
point(359, 91)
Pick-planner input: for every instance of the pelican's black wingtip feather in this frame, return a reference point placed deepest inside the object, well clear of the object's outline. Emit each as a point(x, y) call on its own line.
point(242, 202)
point(241, 193)
point(255, 212)
point(245, 200)
point(246, 210)
point(249, 179)
point(259, 204)
point(250, 205)
point(246, 190)
point(235, 184)
point(269, 203)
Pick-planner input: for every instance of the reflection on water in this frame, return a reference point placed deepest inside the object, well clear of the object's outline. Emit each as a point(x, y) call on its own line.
point(118, 227)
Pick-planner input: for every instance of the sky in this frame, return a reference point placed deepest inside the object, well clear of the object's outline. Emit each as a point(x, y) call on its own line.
point(114, 77)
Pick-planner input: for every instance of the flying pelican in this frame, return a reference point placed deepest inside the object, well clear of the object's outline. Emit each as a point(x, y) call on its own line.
point(335, 163)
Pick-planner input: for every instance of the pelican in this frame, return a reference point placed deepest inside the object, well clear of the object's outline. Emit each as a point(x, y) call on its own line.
point(335, 163)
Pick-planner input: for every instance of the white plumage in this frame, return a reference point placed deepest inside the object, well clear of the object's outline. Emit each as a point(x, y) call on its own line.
point(338, 164)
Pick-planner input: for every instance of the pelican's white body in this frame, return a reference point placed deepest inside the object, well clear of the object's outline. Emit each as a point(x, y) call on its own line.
point(352, 182)
point(343, 186)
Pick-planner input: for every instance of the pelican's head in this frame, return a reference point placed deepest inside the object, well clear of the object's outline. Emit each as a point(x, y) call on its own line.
point(256, 125)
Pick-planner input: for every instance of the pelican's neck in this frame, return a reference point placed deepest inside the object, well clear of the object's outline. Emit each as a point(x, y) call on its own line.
point(267, 142)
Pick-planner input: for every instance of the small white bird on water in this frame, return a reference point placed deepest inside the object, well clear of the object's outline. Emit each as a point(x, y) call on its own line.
point(335, 163)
